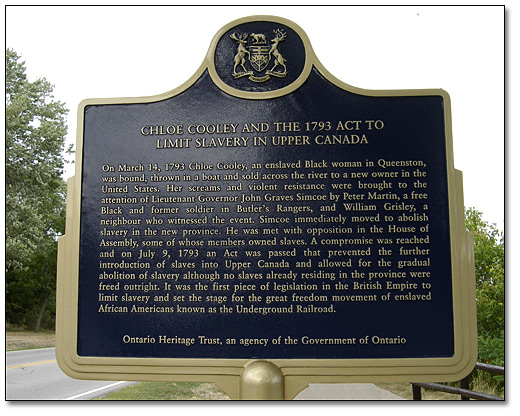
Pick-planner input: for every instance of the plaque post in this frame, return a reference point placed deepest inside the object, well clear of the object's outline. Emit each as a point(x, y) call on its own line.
point(261, 380)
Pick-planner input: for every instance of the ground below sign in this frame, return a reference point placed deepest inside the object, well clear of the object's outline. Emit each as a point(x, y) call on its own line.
point(264, 210)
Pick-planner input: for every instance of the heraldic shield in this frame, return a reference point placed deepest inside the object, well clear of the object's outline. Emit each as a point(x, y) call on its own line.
point(260, 54)
point(259, 57)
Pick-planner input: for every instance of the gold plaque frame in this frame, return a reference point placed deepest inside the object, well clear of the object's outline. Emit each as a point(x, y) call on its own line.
point(296, 374)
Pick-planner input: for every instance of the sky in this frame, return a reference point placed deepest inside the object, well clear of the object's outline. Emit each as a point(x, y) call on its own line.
point(128, 51)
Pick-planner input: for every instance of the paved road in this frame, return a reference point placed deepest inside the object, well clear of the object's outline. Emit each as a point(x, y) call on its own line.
point(35, 375)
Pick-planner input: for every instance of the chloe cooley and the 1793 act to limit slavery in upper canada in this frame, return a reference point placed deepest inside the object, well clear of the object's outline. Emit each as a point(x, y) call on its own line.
point(319, 133)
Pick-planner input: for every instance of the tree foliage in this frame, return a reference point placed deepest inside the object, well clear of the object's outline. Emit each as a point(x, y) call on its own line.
point(490, 277)
point(34, 188)
point(489, 273)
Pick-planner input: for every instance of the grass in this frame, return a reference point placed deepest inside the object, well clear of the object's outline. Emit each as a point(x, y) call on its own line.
point(479, 384)
point(168, 391)
point(482, 383)
point(404, 390)
point(18, 339)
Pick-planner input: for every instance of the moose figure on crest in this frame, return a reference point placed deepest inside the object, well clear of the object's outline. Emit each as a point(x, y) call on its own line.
point(278, 58)
point(240, 57)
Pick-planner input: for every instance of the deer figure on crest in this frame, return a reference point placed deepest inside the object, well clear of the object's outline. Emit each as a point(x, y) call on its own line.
point(278, 58)
point(241, 51)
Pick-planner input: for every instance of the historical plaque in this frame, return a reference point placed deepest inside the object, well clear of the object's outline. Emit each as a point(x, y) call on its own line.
point(266, 211)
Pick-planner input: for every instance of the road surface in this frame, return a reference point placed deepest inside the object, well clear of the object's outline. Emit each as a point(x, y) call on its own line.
point(35, 375)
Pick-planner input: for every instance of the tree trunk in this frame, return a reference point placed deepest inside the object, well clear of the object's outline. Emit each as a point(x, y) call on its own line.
point(42, 310)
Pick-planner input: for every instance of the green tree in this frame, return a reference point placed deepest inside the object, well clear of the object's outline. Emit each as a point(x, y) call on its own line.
point(490, 276)
point(35, 191)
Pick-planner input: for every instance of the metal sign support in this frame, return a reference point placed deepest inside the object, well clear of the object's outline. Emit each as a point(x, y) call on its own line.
point(261, 380)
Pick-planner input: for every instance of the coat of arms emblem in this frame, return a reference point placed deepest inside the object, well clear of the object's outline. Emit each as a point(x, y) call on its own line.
point(260, 54)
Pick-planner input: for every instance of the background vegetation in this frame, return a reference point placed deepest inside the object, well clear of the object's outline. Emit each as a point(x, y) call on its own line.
point(35, 194)
point(490, 276)
point(35, 217)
